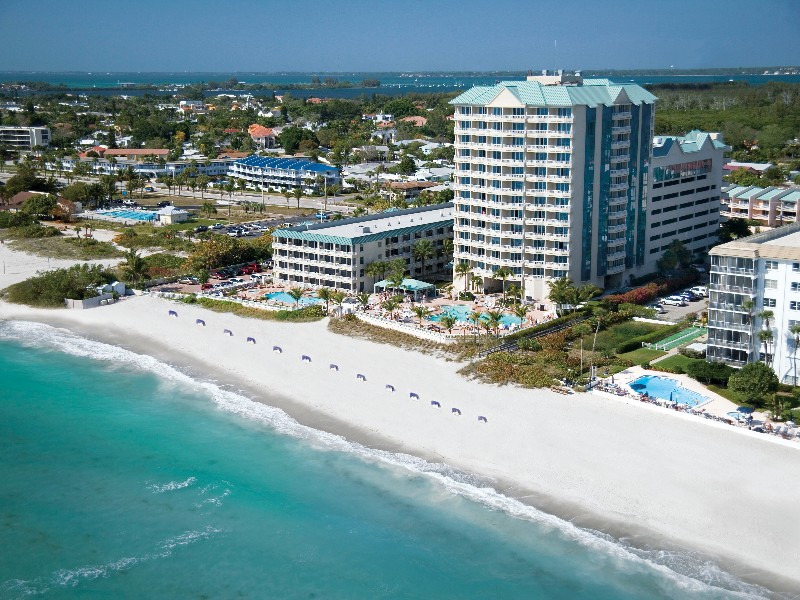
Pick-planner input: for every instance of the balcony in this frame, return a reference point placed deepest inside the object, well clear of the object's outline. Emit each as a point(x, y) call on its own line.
point(728, 344)
point(617, 214)
point(621, 115)
point(617, 228)
point(620, 144)
point(730, 326)
point(619, 172)
point(621, 130)
point(617, 187)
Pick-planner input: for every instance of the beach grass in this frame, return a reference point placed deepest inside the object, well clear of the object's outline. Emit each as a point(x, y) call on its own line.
point(359, 329)
point(307, 314)
point(71, 248)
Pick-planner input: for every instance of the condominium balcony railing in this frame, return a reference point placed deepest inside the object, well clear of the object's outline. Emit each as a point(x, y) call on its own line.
point(620, 144)
point(621, 115)
point(617, 214)
point(728, 307)
point(736, 270)
point(730, 326)
point(615, 187)
point(549, 118)
point(728, 344)
point(620, 130)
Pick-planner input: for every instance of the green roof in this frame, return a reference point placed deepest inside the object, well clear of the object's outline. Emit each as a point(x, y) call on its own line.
point(592, 93)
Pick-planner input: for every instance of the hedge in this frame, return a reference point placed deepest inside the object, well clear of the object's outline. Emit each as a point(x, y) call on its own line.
point(649, 338)
point(646, 293)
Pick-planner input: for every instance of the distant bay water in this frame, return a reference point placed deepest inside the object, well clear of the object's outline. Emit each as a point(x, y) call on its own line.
point(109, 83)
point(122, 477)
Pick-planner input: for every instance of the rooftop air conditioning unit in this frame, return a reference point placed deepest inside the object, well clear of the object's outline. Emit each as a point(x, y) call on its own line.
point(367, 230)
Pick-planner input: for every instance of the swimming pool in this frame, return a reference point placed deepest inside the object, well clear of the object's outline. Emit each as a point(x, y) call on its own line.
point(665, 388)
point(462, 312)
point(285, 298)
point(138, 215)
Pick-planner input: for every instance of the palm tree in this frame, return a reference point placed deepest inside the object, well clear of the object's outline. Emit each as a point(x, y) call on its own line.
point(503, 273)
point(476, 281)
point(297, 193)
point(375, 269)
point(134, 266)
point(448, 322)
point(422, 251)
point(794, 329)
point(296, 293)
point(475, 317)
point(337, 297)
point(396, 280)
point(494, 318)
point(363, 299)
point(560, 290)
point(421, 312)
point(208, 208)
point(520, 312)
point(765, 335)
point(324, 293)
point(766, 316)
point(463, 270)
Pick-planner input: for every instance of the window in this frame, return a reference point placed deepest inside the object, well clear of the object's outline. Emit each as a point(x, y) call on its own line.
point(796, 267)
point(769, 302)
point(772, 284)
point(771, 265)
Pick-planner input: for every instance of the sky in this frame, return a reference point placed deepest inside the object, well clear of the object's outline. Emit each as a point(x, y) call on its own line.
point(395, 35)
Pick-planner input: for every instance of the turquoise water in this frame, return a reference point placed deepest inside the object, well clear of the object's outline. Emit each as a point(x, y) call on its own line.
point(139, 215)
point(287, 299)
point(123, 478)
point(665, 388)
point(462, 313)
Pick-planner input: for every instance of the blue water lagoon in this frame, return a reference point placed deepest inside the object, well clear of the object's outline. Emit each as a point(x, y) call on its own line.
point(123, 477)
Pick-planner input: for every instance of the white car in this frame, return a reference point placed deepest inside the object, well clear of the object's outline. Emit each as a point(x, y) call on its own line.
point(674, 301)
point(700, 290)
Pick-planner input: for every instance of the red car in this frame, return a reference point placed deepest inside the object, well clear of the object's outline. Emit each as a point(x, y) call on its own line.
point(206, 286)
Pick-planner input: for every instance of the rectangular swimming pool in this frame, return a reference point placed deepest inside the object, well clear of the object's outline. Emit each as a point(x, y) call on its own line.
point(138, 215)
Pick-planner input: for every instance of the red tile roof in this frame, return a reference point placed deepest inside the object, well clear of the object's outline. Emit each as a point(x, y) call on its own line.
point(259, 131)
point(418, 121)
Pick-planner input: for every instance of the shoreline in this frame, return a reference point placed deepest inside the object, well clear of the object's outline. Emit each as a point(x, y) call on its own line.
point(599, 463)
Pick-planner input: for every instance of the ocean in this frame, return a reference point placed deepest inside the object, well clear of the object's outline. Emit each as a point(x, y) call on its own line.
point(108, 83)
point(123, 477)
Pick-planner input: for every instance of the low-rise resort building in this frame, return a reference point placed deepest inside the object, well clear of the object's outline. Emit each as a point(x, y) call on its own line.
point(262, 172)
point(335, 254)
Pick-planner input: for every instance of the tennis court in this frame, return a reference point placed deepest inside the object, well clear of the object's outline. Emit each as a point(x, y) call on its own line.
point(676, 339)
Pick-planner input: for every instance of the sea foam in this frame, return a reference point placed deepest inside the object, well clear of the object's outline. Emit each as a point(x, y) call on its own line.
point(685, 570)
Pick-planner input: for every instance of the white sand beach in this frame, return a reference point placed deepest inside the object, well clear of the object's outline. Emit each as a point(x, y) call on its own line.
point(614, 465)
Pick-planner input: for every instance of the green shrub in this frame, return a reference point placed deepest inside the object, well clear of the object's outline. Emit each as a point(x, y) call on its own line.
point(33, 231)
point(532, 345)
point(51, 288)
point(469, 296)
point(15, 219)
point(649, 338)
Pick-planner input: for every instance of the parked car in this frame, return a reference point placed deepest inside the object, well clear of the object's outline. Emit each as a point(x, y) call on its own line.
point(674, 301)
point(700, 290)
point(236, 280)
point(200, 229)
point(188, 280)
point(161, 204)
point(658, 308)
point(206, 286)
point(690, 296)
point(217, 226)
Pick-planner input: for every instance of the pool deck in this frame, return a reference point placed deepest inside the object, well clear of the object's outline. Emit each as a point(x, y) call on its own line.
point(716, 405)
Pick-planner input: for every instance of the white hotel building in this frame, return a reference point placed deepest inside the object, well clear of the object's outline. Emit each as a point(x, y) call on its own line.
point(551, 180)
point(335, 254)
point(764, 268)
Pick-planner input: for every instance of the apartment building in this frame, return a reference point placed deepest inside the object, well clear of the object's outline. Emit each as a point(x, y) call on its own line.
point(551, 180)
point(749, 276)
point(684, 194)
point(336, 254)
point(771, 206)
point(264, 173)
point(24, 138)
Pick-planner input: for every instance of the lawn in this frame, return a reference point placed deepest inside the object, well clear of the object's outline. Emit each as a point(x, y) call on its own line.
point(676, 363)
point(642, 355)
point(611, 338)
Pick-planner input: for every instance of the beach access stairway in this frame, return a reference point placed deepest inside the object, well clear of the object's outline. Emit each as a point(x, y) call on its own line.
point(513, 345)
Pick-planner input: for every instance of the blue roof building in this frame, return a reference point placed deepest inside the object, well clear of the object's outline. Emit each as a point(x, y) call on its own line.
point(282, 173)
